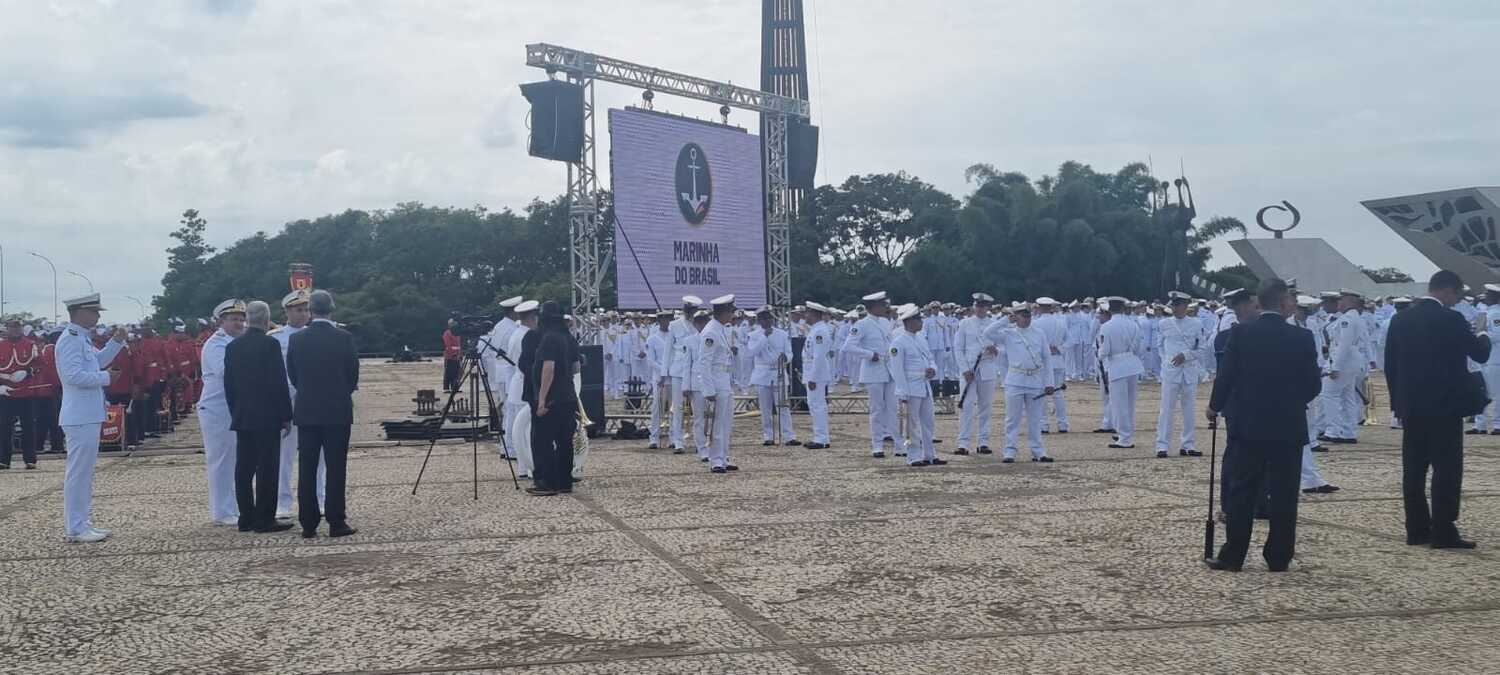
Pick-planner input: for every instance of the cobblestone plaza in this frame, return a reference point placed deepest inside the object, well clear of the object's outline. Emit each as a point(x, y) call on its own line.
point(816, 561)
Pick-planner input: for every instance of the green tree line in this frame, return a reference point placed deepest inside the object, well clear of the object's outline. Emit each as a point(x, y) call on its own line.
point(398, 274)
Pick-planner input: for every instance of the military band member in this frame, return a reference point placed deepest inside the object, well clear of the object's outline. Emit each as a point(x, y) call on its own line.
point(912, 370)
point(714, 372)
point(213, 416)
point(771, 353)
point(18, 376)
point(979, 363)
point(81, 366)
point(1182, 347)
point(294, 304)
point(681, 364)
point(1117, 350)
point(819, 362)
point(1030, 369)
point(869, 343)
point(660, 348)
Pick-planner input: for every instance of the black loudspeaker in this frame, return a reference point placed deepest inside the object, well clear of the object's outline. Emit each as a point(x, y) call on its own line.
point(556, 120)
point(798, 389)
point(802, 154)
point(591, 394)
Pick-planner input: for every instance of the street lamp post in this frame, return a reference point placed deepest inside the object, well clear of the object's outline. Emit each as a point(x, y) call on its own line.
point(54, 282)
point(138, 302)
point(84, 278)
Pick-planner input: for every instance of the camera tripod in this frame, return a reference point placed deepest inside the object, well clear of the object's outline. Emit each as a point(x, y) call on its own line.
point(473, 375)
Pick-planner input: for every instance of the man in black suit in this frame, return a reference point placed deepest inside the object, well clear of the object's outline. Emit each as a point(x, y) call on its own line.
point(260, 412)
point(1424, 366)
point(1268, 376)
point(324, 369)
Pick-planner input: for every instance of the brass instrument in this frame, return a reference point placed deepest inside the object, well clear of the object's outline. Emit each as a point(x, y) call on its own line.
point(580, 432)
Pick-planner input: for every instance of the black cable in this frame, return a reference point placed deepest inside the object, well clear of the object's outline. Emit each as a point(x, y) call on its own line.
point(621, 227)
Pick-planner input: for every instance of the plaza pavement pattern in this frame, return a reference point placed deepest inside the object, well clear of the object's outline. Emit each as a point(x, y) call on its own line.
point(804, 561)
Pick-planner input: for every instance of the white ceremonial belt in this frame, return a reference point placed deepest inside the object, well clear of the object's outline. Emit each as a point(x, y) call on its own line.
point(1026, 371)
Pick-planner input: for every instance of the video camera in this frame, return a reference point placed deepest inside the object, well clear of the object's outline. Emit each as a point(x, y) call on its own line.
point(472, 326)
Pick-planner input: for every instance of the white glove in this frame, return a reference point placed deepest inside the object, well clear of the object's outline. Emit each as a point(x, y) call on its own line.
point(4, 390)
point(16, 377)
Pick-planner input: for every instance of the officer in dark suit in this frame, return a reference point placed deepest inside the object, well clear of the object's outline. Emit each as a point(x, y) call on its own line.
point(1268, 376)
point(324, 369)
point(260, 411)
point(1424, 366)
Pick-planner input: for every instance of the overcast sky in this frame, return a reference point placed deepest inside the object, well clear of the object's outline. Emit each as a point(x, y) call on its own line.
point(117, 116)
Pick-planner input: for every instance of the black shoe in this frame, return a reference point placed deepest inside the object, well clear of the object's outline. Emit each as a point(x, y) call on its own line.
point(814, 445)
point(1184, 452)
point(1044, 431)
point(768, 443)
point(1495, 432)
point(1216, 564)
point(1102, 430)
point(678, 451)
point(1120, 446)
point(1473, 432)
point(1320, 448)
point(937, 441)
point(342, 530)
point(649, 447)
point(1008, 460)
point(540, 492)
point(921, 463)
point(985, 450)
point(31, 466)
point(1062, 431)
point(1045, 459)
point(276, 527)
point(731, 467)
point(899, 454)
point(1326, 489)
point(938, 462)
point(792, 443)
point(878, 454)
point(718, 469)
point(1277, 568)
point(961, 451)
point(1455, 542)
point(703, 459)
point(888, 439)
point(309, 534)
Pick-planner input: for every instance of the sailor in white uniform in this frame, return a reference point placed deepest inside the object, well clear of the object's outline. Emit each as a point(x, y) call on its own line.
point(979, 366)
point(679, 365)
point(1118, 339)
point(869, 344)
point(515, 406)
point(819, 362)
point(770, 349)
point(213, 415)
point(660, 348)
point(715, 380)
point(912, 371)
point(1055, 327)
point(80, 367)
point(1030, 369)
point(1181, 346)
point(499, 370)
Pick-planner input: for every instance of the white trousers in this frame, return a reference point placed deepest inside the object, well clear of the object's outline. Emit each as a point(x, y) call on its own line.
point(920, 423)
point(1059, 401)
point(1489, 420)
point(699, 423)
point(1028, 400)
point(976, 412)
point(1104, 422)
point(521, 444)
point(78, 476)
point(1341, 406)
point(1311, 477)
point(288, 473)
point(509, 413)
point(723, 421)
point(677, 406)
point(883, 412)
point(1122, 407)
point(768, 394)
point(1176, 399)
point(817, 409)
point(218, 459)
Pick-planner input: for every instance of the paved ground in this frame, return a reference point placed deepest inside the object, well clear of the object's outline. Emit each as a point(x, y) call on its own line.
point(805, 561)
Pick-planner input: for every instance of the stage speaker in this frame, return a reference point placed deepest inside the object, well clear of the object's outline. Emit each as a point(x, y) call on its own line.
point(591, 394)
point(802, 154)
point(556, 120)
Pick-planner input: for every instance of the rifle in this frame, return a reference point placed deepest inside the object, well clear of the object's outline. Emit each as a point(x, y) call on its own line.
point(970, 384)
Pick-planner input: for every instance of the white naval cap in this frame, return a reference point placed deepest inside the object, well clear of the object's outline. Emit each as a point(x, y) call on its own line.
point(1493, 288)
point(230, 306)
point(983, 298)
point(813, 306)
point(300, 296)
point(1174, 296)
point(878, 296)
point(692, 300)
point(909, 311)
point(851, 314)
point(528, 306)
point(665, 314)
point(1403, 300)
point(1306, 301)
point(723, 301)
point(90, 301)
point(1351, 293)
point(763, 309)
point(1020, 307)
point(1229, 296)
point(1046, 301)
point(511, 302)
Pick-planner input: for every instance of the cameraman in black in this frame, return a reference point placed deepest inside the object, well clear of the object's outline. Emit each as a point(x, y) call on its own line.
point(549, 357)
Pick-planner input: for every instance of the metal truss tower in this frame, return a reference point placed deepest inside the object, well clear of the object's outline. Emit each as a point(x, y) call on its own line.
point(590, 257)
point(783, 71)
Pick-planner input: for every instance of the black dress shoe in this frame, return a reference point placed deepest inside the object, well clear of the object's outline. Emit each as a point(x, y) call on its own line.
point(309, 534)
point(1008, 460)
point(718, 469)
point(703, 459)
point(277, 527)
point(731, 467)
point(768, 443)
point(651, 447)
point(1455, 542)
point(793, 443)
point(985, 450)
point(1184, 452)
point(1045, 459)
point(1326, 489)
point(1216, 564)
point(1044, 431)
point(1277, 568)
point(1495, 432)
point(899, 454)
point(1062, 431)
point(888, 439)
point(878, 454)
point(678, 451)
point(961, 451)
point(921, 463)
point(1121, 446)
point(1102, 430)
point(814, 445)
point(937, 440)
point(343, 530)
point(1473, 432)
point(939, 462)
point(1320, 448)
point(540, 492)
